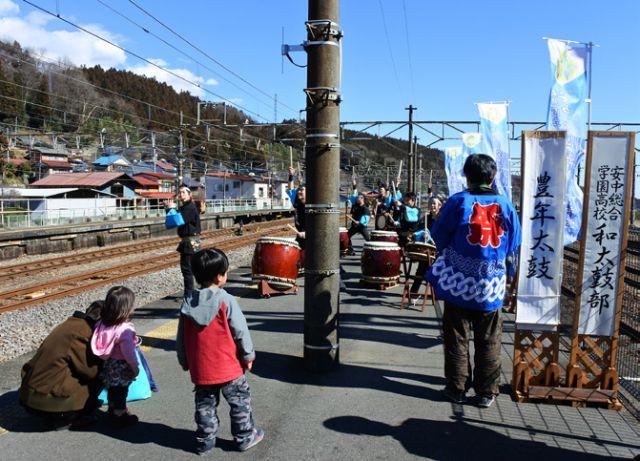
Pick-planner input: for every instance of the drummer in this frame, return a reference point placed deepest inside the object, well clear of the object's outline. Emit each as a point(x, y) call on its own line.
point(435, 205)
point(298, 198)
point(386, 200)
point(423, 236)
point(409, 221)
point(359, 216)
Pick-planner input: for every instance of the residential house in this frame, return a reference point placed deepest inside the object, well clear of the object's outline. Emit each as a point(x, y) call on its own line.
point(224, 185)
point(47, 160)
point(113, 162)
point(155, 187)
point(118, 184)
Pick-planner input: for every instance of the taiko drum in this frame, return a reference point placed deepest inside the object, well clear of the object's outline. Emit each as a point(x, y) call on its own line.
point(384, 236)
point(381, 262)
point(418, 251)
point(275, 260)
point(344, 241)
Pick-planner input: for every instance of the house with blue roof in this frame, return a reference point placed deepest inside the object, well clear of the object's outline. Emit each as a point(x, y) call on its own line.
point(113, 162)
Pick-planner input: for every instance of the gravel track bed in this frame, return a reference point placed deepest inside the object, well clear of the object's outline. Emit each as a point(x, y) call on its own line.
point(22, 331)
point(65, 271)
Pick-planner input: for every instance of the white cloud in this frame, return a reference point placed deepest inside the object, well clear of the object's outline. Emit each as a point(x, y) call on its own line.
point(7, 7)
point(76, 46)
point(177, 83)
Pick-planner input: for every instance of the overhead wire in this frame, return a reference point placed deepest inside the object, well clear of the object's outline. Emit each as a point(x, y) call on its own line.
point(51, 61)
point(386, 33)
point(194, 60)
point(406, 30)
point(204, 53)
point(148, 61)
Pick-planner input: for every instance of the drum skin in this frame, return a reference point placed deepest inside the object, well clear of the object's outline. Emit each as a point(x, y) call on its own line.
point(381, 262)
point(384, 236)
point(344, 241)
point(275, 260)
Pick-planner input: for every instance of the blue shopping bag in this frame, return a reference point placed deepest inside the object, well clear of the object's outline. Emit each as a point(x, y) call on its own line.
point(173, 219)
point(140, 388)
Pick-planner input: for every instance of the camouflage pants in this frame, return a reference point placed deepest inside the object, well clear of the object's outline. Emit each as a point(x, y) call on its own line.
point(237, 395)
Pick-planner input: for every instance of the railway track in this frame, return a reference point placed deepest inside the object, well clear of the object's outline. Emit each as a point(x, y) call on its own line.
point(8, 273)
point(67, 286)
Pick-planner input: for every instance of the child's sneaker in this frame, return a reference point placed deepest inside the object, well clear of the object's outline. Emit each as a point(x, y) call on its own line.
point(204, 447)
point(258, 435)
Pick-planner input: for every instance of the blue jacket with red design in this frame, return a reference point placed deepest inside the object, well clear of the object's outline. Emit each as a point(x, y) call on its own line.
point(474, 233)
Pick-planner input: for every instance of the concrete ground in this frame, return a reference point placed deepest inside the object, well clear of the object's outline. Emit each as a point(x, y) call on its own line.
point(383, 402)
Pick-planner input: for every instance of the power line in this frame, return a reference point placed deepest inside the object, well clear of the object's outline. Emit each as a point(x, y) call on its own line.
point(386, 33)
point(406, 30)
point(207, 55)
point(170, 72)
point(175, 48)
point(50, 61)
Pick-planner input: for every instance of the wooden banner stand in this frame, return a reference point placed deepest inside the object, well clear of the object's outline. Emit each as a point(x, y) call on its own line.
point(591, 375)
point(535, 361)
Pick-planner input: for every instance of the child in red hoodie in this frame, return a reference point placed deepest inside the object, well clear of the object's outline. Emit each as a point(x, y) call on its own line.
point(214, 345)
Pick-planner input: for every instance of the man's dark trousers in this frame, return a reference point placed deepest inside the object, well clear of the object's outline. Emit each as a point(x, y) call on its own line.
point(458, 323)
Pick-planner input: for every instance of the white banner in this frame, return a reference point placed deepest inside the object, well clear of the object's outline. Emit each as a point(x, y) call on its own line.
point(608, 180)
point(543, 212)
point(453, 164)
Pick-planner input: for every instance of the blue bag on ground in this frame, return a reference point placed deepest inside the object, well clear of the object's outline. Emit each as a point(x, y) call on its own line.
point(145, 365)
point(140, 388)
point(173, 219)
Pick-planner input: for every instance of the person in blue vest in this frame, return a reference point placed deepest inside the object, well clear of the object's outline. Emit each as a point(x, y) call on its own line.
point(409, 219)
point(476, 231)
point(360, 216)
point(385, 202)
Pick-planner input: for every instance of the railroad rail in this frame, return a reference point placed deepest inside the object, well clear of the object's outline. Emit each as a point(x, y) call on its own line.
point(66, 286)
point(25, 269)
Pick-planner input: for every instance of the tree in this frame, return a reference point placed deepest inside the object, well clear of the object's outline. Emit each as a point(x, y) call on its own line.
point(9, 102)
point(38, 104)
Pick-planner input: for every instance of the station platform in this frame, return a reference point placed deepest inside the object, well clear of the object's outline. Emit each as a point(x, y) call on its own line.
point(383, 402)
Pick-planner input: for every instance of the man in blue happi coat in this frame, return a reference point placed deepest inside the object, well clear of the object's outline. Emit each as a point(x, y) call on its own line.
point(476, 231)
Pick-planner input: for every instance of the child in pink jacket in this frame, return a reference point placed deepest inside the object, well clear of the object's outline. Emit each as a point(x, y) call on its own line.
point(114, 340)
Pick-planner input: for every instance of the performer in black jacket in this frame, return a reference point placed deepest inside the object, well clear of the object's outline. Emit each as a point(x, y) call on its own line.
point(189, 234)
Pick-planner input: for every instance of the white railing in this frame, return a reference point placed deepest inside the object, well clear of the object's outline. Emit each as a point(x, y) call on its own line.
point(14, 215)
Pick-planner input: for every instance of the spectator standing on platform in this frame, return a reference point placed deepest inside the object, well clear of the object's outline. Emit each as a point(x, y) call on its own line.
point(360, 215)
point(60, 383)
point(214, 345)
point(476, 231)
point(114, 341)
point(189, 234)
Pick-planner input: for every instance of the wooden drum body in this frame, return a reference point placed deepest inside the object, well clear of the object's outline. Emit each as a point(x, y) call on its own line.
point(384, 236)
point(344, 241)
point(275, 260)
point(418, 251)
point(381, 262)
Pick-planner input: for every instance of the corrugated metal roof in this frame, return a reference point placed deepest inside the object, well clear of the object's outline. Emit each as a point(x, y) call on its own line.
point(37, 193)
point(154, 194)
point(144, 181)
point(165, 165)
point(95, 179)
point(56, 164)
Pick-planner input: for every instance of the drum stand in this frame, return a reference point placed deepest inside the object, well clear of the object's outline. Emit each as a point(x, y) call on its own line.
point(408, 282)
point(265, 291)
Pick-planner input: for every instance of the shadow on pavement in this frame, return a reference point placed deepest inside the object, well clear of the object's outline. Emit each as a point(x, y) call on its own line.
point(290, 369)
point(458, 440)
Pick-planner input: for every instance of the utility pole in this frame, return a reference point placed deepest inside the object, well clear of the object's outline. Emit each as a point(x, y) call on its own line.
point(322, 273)
point(411, 166)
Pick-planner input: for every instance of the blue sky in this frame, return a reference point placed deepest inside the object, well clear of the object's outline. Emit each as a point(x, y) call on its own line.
point(461, 52)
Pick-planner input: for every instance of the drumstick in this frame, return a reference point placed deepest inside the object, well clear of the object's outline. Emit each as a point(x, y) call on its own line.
point(290, 157)
point(292, 227)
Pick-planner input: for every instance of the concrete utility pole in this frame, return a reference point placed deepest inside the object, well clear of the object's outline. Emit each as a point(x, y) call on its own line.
point(411, 165)
point(322, 273)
